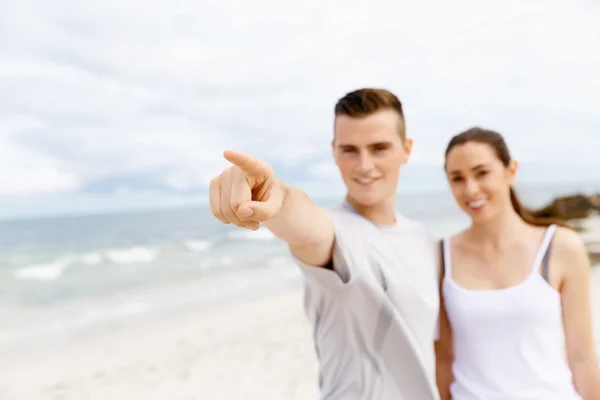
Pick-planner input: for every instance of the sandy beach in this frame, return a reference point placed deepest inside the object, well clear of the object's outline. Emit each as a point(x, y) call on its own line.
point(257, 349)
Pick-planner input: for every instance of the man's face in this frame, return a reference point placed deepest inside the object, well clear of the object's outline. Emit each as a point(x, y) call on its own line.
point(369, 153)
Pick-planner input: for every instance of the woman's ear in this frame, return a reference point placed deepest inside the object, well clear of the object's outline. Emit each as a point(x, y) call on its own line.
point(512, 169)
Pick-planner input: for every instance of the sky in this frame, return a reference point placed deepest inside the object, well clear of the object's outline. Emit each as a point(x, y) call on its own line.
point(112, 105)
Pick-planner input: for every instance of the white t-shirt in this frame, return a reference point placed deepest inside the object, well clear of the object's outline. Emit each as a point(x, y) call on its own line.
point(375, 316)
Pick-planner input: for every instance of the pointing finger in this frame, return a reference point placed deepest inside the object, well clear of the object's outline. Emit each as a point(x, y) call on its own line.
point(250, 165)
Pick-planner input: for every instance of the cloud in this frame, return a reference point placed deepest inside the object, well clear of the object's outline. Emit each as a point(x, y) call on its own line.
point(146, 95)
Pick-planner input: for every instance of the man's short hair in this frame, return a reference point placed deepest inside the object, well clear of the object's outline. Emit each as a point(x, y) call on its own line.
point(366, 101)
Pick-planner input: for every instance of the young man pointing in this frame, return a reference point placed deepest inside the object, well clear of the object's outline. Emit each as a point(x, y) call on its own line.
point(371, 274)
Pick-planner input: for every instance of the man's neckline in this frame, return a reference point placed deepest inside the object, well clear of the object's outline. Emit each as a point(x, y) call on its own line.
point(349, 207)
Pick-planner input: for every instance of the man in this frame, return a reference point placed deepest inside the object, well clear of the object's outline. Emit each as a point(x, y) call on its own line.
point(371, 274)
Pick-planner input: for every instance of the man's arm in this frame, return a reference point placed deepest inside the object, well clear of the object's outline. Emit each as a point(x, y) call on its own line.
point(305, 227)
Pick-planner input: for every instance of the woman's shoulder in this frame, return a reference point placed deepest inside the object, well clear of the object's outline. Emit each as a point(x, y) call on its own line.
point(459, 238)
point(568, 244)
point(569, 254)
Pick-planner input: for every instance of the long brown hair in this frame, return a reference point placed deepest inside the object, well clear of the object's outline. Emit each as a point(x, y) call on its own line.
point(496, 141)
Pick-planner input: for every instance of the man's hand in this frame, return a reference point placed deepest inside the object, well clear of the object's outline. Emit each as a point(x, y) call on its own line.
point(246, 193)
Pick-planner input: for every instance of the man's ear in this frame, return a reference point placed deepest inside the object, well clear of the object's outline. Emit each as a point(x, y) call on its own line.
point(407, 144)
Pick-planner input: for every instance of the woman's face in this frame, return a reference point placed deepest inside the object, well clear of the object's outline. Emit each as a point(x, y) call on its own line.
point(479, 181)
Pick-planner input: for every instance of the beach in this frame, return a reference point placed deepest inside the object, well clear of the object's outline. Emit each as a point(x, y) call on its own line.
point(240, 333)
point(257, 349)
point(261, 349)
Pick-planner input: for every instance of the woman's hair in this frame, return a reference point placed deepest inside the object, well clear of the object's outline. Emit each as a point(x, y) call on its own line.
point(497, 143)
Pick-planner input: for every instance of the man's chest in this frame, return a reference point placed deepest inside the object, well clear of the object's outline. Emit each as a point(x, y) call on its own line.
point(405, 270)
point(407, 275)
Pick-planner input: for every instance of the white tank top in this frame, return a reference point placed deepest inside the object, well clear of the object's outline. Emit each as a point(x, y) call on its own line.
point(509, 343)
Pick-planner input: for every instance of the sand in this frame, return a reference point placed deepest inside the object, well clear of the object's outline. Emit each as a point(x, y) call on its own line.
point(258, 350)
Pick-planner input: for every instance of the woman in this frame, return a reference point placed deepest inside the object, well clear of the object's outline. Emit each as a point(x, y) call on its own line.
point(515, 321)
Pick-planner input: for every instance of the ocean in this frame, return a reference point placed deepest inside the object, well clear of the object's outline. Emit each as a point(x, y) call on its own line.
point(62, 273)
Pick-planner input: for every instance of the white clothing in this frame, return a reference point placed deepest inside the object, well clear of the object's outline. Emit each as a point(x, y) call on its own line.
point(375, 315)
point(508, 343)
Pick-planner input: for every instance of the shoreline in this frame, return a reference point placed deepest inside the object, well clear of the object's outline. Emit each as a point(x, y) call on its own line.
point(59, 325)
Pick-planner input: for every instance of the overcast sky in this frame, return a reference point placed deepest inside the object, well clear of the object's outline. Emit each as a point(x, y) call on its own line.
point(112, 104)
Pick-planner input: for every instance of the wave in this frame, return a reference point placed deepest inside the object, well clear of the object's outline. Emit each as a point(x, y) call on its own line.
point(260, 234)
point(55, 269)
point(129, 255)
point(141, 254)
point(197, 245)
point(132, 255)
point(47, 272)
point(93, 258)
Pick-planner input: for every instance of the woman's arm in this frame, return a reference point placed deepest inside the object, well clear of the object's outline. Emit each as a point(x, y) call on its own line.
point(444, 347)
point(574, 262)
point(444, 357)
